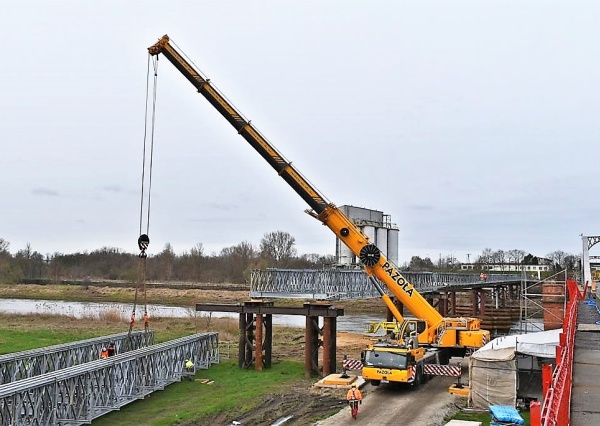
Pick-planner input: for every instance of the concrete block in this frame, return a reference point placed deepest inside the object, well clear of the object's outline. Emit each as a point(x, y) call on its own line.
point(462, 423)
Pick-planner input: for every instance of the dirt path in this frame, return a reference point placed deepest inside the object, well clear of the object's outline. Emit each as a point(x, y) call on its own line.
point(425, 406)
point(384, 405)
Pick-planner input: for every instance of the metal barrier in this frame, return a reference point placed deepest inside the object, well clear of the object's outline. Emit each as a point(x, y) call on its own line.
point(25, 364)
point(79, 394)
point(335, 284)
point(556, 407)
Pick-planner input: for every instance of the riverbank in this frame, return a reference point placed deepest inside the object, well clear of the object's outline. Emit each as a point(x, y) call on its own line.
point(165, 296)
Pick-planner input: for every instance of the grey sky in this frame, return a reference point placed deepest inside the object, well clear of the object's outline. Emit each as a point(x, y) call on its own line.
point(473, 124)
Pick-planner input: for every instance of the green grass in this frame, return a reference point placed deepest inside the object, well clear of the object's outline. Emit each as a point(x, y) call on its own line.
point(485, 418)
point(234, 390)
point(16, 341)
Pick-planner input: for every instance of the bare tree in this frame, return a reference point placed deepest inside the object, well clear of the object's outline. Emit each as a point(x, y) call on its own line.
point(278, 246)
point(485, 257)
point(4, 245)
point(166, 260)
point(557, 257)
point(516, 256)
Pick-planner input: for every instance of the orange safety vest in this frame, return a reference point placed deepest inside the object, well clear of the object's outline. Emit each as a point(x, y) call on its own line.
point(104, 354)
point(353, 393)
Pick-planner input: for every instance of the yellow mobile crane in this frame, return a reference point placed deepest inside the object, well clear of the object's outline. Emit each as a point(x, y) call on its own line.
point(384, 361)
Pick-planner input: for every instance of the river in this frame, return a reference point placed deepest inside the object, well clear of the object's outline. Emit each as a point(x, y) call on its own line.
point(351, 323)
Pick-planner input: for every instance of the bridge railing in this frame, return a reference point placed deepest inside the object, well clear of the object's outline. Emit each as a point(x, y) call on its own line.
point(353, 283)
point(556, 406)
point(25, 364)
point(79, 394)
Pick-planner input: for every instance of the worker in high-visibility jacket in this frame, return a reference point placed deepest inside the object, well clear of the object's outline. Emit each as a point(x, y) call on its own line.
point(103, 353)
point(189, 369)
point(354, 394)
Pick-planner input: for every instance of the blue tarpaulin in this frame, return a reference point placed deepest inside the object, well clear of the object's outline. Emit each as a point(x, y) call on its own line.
point(507, 414)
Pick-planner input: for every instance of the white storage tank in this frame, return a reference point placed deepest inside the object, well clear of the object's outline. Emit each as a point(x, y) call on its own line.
point(392, 245)
point(381, 240)
point(343, 254)
point(369, 231)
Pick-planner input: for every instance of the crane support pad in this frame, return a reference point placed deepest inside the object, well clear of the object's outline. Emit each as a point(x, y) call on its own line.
point(442, 370)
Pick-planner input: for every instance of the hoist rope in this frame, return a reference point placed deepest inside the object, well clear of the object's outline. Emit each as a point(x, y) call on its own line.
point(143, 240)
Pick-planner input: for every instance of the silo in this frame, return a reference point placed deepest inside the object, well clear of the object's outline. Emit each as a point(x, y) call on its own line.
point(369, 231)
point(382, 240)
point(392, 245)
point(344, 254)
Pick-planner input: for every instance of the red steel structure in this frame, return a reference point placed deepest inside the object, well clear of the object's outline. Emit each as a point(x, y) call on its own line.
point(556, 407)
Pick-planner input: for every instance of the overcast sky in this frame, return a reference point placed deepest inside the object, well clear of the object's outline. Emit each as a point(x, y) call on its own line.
point(473, 124)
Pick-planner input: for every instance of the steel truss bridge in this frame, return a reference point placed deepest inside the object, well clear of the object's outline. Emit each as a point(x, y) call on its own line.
point(78, 394)
point(337, 284)
point(22, 365)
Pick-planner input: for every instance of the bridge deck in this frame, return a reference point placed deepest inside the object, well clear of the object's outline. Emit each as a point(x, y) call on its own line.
point(585, 397)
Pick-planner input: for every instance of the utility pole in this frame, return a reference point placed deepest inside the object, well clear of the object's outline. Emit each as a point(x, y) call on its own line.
point(468, 257)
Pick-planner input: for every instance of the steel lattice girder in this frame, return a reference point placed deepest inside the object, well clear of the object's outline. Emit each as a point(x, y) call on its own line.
point(79, 394)
point(22, 365)
point(354, 283)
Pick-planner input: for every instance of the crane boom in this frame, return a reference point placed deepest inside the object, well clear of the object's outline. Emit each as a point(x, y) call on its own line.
point(375, 263)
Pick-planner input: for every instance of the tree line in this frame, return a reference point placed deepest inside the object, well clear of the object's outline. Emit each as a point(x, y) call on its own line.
point(558, 260)
point(231, 265)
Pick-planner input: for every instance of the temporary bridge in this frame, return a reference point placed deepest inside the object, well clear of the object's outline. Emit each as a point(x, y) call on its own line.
point(80, 393)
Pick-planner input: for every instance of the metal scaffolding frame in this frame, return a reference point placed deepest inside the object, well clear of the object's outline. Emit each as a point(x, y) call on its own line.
point(532, 309)
point(25, 364)
point(79, 394)
point(336, 284)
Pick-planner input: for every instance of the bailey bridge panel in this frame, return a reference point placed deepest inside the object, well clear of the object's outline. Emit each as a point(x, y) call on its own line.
point(79, 394)
point(337, 284)
point(25, 364)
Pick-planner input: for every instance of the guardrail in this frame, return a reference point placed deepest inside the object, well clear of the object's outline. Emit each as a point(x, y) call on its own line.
point(79, 394)
point(25, 364)
point(556, 407)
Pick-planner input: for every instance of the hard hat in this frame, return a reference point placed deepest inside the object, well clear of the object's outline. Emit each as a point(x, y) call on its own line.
point(353, 385)
point(103, 349)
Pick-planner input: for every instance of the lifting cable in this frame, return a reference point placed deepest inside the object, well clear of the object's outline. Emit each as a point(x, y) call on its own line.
point(144, 240)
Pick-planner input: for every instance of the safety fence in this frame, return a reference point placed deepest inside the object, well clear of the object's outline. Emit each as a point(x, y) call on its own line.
point(556, 406)
point(79, 394)
point(25, 364)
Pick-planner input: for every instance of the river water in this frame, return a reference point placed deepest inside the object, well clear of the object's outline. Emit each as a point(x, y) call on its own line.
point(351, 323)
